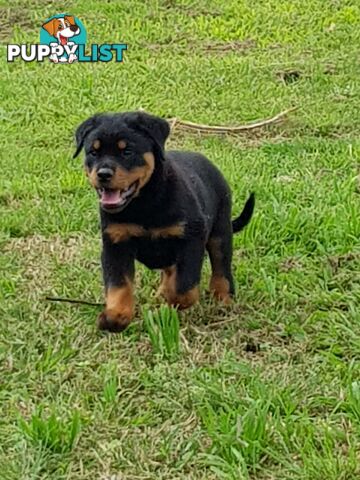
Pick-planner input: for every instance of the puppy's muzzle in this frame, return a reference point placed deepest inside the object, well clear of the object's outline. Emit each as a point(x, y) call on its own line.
point(105, 174)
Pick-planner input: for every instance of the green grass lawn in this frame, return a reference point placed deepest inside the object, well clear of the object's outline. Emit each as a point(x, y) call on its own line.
point(268, 388)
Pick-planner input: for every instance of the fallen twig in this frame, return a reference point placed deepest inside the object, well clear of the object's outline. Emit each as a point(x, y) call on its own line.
point(218, 129)
point(74, 300)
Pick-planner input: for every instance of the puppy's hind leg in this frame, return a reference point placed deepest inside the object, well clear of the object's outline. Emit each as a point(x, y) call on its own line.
point(219, 247)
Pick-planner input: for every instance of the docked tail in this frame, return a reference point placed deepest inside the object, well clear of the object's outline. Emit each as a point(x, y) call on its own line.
point(245, 216)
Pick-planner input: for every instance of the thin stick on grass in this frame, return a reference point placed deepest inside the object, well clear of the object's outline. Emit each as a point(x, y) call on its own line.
point(219, 129)
point(74, 300)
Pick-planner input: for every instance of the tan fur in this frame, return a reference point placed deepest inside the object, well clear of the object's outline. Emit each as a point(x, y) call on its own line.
point(96, 144)
point(122, 178)
point(92, 176)
point(121, 144)
point(120, 303)
point(220, 288)
point(186, 300)
point(168, 290)
point(167, 287)
point(176, 230)
point(120, 232)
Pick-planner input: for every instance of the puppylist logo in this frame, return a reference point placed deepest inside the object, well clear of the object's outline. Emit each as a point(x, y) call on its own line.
point(62, 40)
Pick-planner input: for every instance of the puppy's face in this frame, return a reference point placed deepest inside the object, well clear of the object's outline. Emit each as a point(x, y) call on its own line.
point(121, 152)
point(118, 165)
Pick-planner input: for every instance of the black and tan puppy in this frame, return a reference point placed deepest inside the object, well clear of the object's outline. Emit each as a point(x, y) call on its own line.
point(162, 209)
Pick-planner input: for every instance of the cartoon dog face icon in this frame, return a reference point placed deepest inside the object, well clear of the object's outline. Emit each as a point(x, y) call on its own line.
point(63, 29)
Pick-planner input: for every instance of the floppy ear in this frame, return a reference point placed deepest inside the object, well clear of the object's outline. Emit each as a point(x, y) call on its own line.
point(50, 27)
point(70, 19)
point(83, 131)
point(156, 128)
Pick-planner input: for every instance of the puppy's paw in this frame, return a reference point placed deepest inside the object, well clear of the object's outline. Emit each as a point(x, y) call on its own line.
point(220, 288)
point(183, 300)
point(225, 298)
point(112, 323)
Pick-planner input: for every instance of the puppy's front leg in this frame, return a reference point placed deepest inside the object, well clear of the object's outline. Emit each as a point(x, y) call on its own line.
point(118, 272)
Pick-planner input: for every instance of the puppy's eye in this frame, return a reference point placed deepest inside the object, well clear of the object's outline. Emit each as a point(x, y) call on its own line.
point(67, 24)
point(60, 27)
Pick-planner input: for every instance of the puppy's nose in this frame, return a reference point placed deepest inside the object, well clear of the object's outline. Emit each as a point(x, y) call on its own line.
point(74, 28)
point(104, 174)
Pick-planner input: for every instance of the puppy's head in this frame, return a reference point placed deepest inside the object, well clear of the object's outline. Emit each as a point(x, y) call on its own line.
point(62, 28)
point(121, 153)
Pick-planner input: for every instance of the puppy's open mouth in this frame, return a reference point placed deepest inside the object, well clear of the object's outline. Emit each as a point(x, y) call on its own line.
point(114, 199)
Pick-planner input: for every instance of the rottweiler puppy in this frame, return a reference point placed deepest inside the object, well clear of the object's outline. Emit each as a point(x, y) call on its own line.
point(164, 209)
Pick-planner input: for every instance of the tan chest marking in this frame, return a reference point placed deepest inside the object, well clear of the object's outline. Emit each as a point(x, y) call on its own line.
point(176, 230)
point(121, 232)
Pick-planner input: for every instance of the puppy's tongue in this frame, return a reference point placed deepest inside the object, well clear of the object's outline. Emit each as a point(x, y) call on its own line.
point(110, 198)
point(63, 40)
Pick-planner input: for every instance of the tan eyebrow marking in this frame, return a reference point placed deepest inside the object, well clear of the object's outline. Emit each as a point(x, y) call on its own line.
point(121, 144)
point(96, 144)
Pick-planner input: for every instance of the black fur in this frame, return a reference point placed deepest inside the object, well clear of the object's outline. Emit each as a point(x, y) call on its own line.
point(244, 218)
point(185, 188)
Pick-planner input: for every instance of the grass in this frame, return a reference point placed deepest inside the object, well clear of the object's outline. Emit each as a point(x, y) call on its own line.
point(51, 433)
point(265, 389)
point(163, 328)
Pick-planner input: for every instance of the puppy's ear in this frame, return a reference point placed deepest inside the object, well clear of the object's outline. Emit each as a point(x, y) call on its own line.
point(156, 128)
point(83, 131)
point(70, 19)
point(50, 26)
